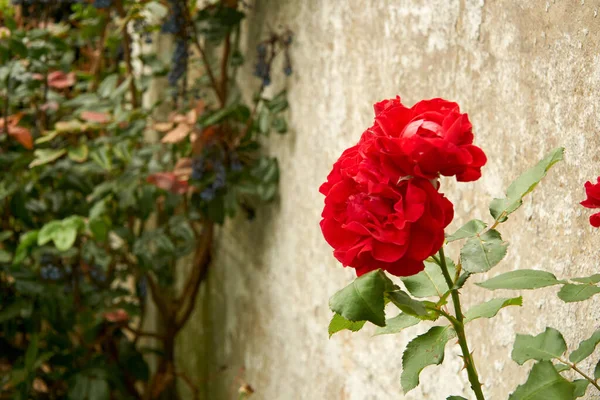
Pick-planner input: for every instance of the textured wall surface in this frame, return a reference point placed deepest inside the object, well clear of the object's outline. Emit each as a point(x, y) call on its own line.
point(528, 74)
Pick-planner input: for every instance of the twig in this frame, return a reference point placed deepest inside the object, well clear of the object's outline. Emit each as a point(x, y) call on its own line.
point(139, 333)
point(96, 69)
point(127, 53)
point(188, 381)
point(224, 64)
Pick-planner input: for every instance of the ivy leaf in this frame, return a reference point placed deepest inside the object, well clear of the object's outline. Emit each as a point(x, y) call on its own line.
point(429, 282)
point(585, 348)
point(543, 347)
point(525, 183)
point(571, 293)
point(45, 156)
point(426, 349)
point(397, 324)
point(407, 304)
point(470, 229)
point(483, 252)
point(363, 299)
point(339, 323)
point(490, 308)
point(581, 386)
point(521, 279)
point(544, 383)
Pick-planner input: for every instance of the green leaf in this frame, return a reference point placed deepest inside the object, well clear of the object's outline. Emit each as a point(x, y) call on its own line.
point(581, 386)
point(20, 308)
point(279, 124)
point(490, 308)
point(483, 252)
point(339, 323)
point(5, 235)
point(561, 367)
point(455, 398)
point(588, 279)
point(47, 232)
point(102, 157)
point(363, 299)
point(264, 121)
point(544, 383)
point(470, 229)
point(26, 241)
point(99, 227)
point(585, 348)
point(31, 353)
point(407, 304)
point(525, 183)
point(429, 282)
point(108, 85)
point(64, 238)
point(521, 279)
point(570, 293)
point(79, 153)
point(5, 256)
point(597, 371)
point(543, 347)
point(424, 350)
point(45, 156)
point(397, 324)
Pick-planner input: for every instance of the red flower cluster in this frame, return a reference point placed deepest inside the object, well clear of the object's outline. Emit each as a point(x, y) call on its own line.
point(593, 201)
point(382, 204)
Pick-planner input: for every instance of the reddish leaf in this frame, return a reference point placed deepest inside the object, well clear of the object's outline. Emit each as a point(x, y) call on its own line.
point(60, 80)
point(180, 132)
point(94, 116)
point(162, 126)
point(21, 135)
point(168, 181)
point(118, 315)
point(183, 168)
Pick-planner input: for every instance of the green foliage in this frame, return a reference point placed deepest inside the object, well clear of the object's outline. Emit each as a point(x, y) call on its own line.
point(489, 309)
point(468, 230)
point(571, 293)
point(339, 323)
point(397, 324)
point(364, 298)
point(482, 252)
point(586, 348)
point(426, 349)
point(546, 346)
point(544, 383)
point(429, 282)
point(524, 184)
point(521, 279)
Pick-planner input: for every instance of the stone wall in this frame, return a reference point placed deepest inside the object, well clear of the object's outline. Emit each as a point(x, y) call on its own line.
point(527, 73)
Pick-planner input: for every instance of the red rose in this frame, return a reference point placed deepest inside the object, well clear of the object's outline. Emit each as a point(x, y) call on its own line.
point(428, 139)
point(593, 201)
point(373, 223)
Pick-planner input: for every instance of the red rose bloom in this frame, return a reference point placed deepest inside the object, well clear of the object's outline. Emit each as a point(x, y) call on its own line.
point(428, 139)
point(375, 223)
point(593, 201)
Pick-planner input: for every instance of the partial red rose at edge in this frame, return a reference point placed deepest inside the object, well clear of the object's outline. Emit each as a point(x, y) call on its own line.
point(593, 201)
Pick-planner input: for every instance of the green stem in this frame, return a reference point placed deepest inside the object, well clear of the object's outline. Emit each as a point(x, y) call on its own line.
point(459, 327)
point(580, 372)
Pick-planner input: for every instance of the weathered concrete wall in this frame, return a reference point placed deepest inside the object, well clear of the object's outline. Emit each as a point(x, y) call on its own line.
point(528, 74)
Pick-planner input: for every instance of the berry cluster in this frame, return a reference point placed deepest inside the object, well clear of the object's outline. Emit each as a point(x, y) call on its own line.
point(49, 270)
point(179, 61)
point(213, 162)
point(175, 21)
point(266, 52)
point(97, 274)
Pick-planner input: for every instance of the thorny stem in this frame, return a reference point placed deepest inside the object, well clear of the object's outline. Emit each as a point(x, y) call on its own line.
point(580, 372)
point(459, 327)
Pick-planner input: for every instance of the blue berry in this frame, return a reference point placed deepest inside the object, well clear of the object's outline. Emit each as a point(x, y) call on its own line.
point(102, 3)
point(234, 163)
point(198, 168)
point(178, 62)
point(142, 287)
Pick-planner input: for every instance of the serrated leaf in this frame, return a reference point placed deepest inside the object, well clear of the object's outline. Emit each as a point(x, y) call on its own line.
point(397, 324)
point(544, 383)
point(45, 156)
point(482, 252)
point(363, 299)
point(581, 386)
point(407, 304)
point(429, 282)
point(424, 350)
point(521, 279)
point(588, 279)
point(490, 308)
point(571, 293)
point(339, 323)
point(79, 153)
point(586, 348)
point(525, 183)
point(546, 346)
point(470, 229)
